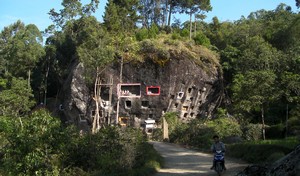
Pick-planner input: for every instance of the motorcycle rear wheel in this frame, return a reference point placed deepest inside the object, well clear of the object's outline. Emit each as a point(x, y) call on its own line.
point(219, 168)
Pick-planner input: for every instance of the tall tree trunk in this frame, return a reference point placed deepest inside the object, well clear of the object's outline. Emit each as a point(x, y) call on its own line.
point(195, 28)
point(118, 101)
point(110, 98)
point(263, 122)
point(191, 25)
point(28, 81)
point(286, 120)
point(46, 83)
point(165, 13)
point(97, 98)
point(170, 14)
point(157, 13)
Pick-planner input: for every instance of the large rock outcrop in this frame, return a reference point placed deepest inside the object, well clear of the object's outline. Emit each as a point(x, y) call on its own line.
point(289, 165)
point(187, 82)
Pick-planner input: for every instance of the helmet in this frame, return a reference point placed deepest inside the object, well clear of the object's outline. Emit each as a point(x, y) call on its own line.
point(215, 137)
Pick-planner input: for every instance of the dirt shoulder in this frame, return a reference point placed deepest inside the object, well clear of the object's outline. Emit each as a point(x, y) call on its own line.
point(183, 161)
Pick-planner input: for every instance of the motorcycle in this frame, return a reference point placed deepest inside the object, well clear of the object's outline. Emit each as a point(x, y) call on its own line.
point(219, 162)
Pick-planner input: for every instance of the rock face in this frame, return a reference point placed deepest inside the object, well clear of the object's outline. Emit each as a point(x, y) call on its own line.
point(75, 97)
point(289, 165)
point(286, 166)
point(148, 90)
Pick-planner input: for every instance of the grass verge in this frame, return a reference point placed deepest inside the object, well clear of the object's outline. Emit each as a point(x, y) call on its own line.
point(152, 161)
point(260, 152)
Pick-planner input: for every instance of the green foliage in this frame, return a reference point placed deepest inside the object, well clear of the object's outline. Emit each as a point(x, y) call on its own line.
point(145, 33)
point(252, 132)
point(262, 151)
point(148, 162)
point(172, 120)
point(192, 7)
point(175, 36)
point(225, 127)
point(291, 85)
point(33, 146)
point(155, 51)
point(121, 16)
point(157, 134)
point(41, 146)
point(72, 9)
point(111, 17)
point(275, 131)
point(184, 33)
point(254, 153)
point(294, 122)
point(111, 151)
point(94, 49)
point(179, 134)
point(153, 31)
point(263, 41)
point(167, 29)
point(141, 34)
point(254, 90)
point(15, 97)
point(259, 54)
point(21, 48)
point(198, 133)
point(274, 157)
point(201, 39)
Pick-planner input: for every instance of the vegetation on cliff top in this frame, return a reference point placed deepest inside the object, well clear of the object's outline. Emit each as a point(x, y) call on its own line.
point(163, 47)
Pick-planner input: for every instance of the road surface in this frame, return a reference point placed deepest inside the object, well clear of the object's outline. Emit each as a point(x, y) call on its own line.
point(180, 161)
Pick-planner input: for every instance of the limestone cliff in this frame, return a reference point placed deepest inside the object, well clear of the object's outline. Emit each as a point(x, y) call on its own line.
point(182, 78)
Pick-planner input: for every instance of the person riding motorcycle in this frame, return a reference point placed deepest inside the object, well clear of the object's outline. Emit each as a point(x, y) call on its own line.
point(218, 146)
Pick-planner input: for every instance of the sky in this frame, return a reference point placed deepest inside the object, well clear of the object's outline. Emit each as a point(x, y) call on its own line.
point(36, 11)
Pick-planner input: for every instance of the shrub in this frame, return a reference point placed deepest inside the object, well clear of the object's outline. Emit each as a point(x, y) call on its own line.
point(41, 146)
point(148, 162)
point(252, 132)
point(294, 121)
point(185, 33)
point(173, 42)
point(261, 151)
point(194, 134)
point(175, 36)
point(294, 126)
point(172, 120)
point(157, 134)
point(201, 136)
point(157, 53)
point(275, 131)
point(179, 134)
point(153, 31)
point(167, 29)
point(201, 39)
point(73, 171)
point(34, 145)
point(274, 157)
point(142, 34)
point(110, 151)
point(255, 153)
point(225, 127)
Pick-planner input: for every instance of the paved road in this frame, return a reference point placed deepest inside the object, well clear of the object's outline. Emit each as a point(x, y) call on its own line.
point(180, 161)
